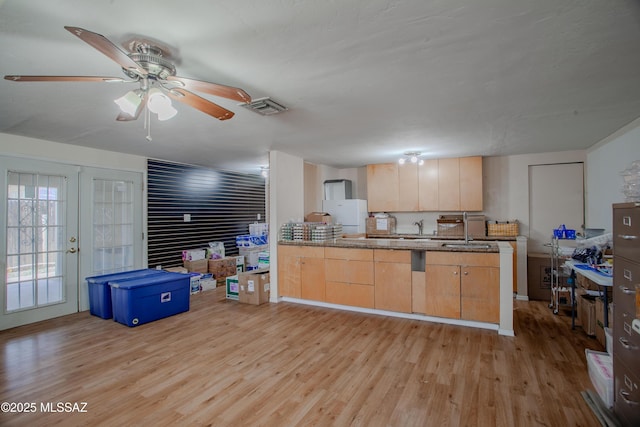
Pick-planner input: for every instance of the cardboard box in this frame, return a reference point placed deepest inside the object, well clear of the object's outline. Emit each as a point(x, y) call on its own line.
point(254, 287)
point(200, 266)
point(252, 256)
point(600, 334)
point(319, 217)
point(221, 268)
point(539, 276)
point(263, 260)
point(194, 254)
point(232, 287)
point(564, 296)
point(381, 225)
point(207, 282)
point(239, 264)
point(587, 313)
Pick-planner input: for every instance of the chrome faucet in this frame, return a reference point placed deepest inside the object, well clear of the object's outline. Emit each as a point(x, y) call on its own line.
point(420, 224)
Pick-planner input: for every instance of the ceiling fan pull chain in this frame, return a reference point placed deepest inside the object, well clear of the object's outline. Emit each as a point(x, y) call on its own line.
point(147, 122)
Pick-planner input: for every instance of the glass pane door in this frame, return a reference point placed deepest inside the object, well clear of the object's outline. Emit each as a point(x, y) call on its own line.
point(112, 226)
point(35, 240)
point(39, 247)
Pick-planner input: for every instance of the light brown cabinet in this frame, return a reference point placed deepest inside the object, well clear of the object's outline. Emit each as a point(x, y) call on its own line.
point(408, 187)
point(392, 280)
point(449, 184)
point(349, 275)
point(470, 174)
point(453, 184)
point(463, 286)
point(428, 186)
point(382, 187)
point(301, 272)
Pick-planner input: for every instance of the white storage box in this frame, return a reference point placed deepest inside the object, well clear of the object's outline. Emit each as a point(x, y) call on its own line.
point(600, 366)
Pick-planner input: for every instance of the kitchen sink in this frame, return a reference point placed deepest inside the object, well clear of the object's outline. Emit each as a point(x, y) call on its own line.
point(467, 245)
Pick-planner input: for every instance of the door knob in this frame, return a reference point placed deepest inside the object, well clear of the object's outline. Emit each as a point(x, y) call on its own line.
point(72, 239)
point(72, 250)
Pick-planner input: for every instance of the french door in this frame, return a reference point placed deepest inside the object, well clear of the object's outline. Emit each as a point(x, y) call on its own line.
point(52, 242)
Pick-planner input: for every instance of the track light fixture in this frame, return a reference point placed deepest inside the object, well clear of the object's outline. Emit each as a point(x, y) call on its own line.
point(413, 157)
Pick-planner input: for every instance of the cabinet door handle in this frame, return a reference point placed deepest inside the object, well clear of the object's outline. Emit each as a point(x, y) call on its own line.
point(455, 273)
point(627, 237)
point(626, 344)
point(627, 274)
point(625, 396)
point(466, 273)
point(626, 290)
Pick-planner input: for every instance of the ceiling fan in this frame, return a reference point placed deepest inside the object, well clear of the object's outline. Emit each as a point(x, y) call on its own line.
point(148, 64)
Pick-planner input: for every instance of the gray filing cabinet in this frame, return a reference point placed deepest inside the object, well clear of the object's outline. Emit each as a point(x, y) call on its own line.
point(626, 341)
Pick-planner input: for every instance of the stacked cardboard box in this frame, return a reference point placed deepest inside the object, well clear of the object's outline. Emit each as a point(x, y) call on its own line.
point(254, 287)
point(199, 266)
point(222, 268)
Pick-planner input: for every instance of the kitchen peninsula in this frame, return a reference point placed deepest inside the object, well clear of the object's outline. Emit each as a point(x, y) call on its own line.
point(469, 284)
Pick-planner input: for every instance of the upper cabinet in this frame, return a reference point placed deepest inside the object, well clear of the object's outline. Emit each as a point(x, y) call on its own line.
point(382, 187)
point(438, 185)
point(471, 183)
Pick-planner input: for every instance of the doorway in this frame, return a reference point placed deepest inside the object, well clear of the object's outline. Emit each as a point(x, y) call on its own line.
point(51, 242)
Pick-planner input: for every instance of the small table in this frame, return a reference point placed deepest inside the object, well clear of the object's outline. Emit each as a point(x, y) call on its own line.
point(599, 279)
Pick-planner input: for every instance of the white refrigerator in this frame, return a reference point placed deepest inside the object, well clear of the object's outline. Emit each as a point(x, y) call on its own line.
point(351, 213)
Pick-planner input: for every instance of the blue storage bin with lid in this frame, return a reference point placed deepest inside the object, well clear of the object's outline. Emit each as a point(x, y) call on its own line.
point(144, 300)
point(100, 292)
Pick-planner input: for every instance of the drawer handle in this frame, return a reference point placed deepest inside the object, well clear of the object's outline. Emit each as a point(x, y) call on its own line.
point(455, 273)
point(626, 290)
point(626, 220)
point(625, 396)
point(627, 274)
point(626, 344)
point(627, 237)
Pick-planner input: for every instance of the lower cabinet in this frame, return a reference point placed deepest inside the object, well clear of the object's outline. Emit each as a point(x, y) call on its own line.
point(392, 280)
point(349, 276)
point(463, 286)
point(456, 285)
point(301, 272)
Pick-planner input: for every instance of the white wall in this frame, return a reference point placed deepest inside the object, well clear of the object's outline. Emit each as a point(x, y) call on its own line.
point(19, 146)
point(605, 161)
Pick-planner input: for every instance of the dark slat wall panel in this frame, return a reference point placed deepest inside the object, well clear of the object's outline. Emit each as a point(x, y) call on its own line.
point(222, 204)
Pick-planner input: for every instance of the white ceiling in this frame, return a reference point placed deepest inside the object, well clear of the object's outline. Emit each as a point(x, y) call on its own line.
point(365, 80)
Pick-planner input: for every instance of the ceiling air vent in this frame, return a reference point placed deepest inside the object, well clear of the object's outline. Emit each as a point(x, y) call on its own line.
point(265, 106)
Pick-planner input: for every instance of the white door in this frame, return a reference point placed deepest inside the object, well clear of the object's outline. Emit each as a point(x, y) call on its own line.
point(61, 224)
point(39, 252)
point(110, 224)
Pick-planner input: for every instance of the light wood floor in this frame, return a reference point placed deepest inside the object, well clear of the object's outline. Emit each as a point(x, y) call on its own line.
point(227, 364)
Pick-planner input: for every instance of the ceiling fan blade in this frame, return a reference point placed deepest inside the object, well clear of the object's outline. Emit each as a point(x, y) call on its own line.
point(66, 79)
point(212, 88)
point(109, 49)
point(200, 103)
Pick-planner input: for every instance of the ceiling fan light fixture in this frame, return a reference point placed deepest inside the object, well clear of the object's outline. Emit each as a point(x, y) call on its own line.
point(160, 104)
point(130, 102)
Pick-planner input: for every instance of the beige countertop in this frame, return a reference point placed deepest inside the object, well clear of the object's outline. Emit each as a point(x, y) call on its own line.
point(422, 244)
point(436, 237)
